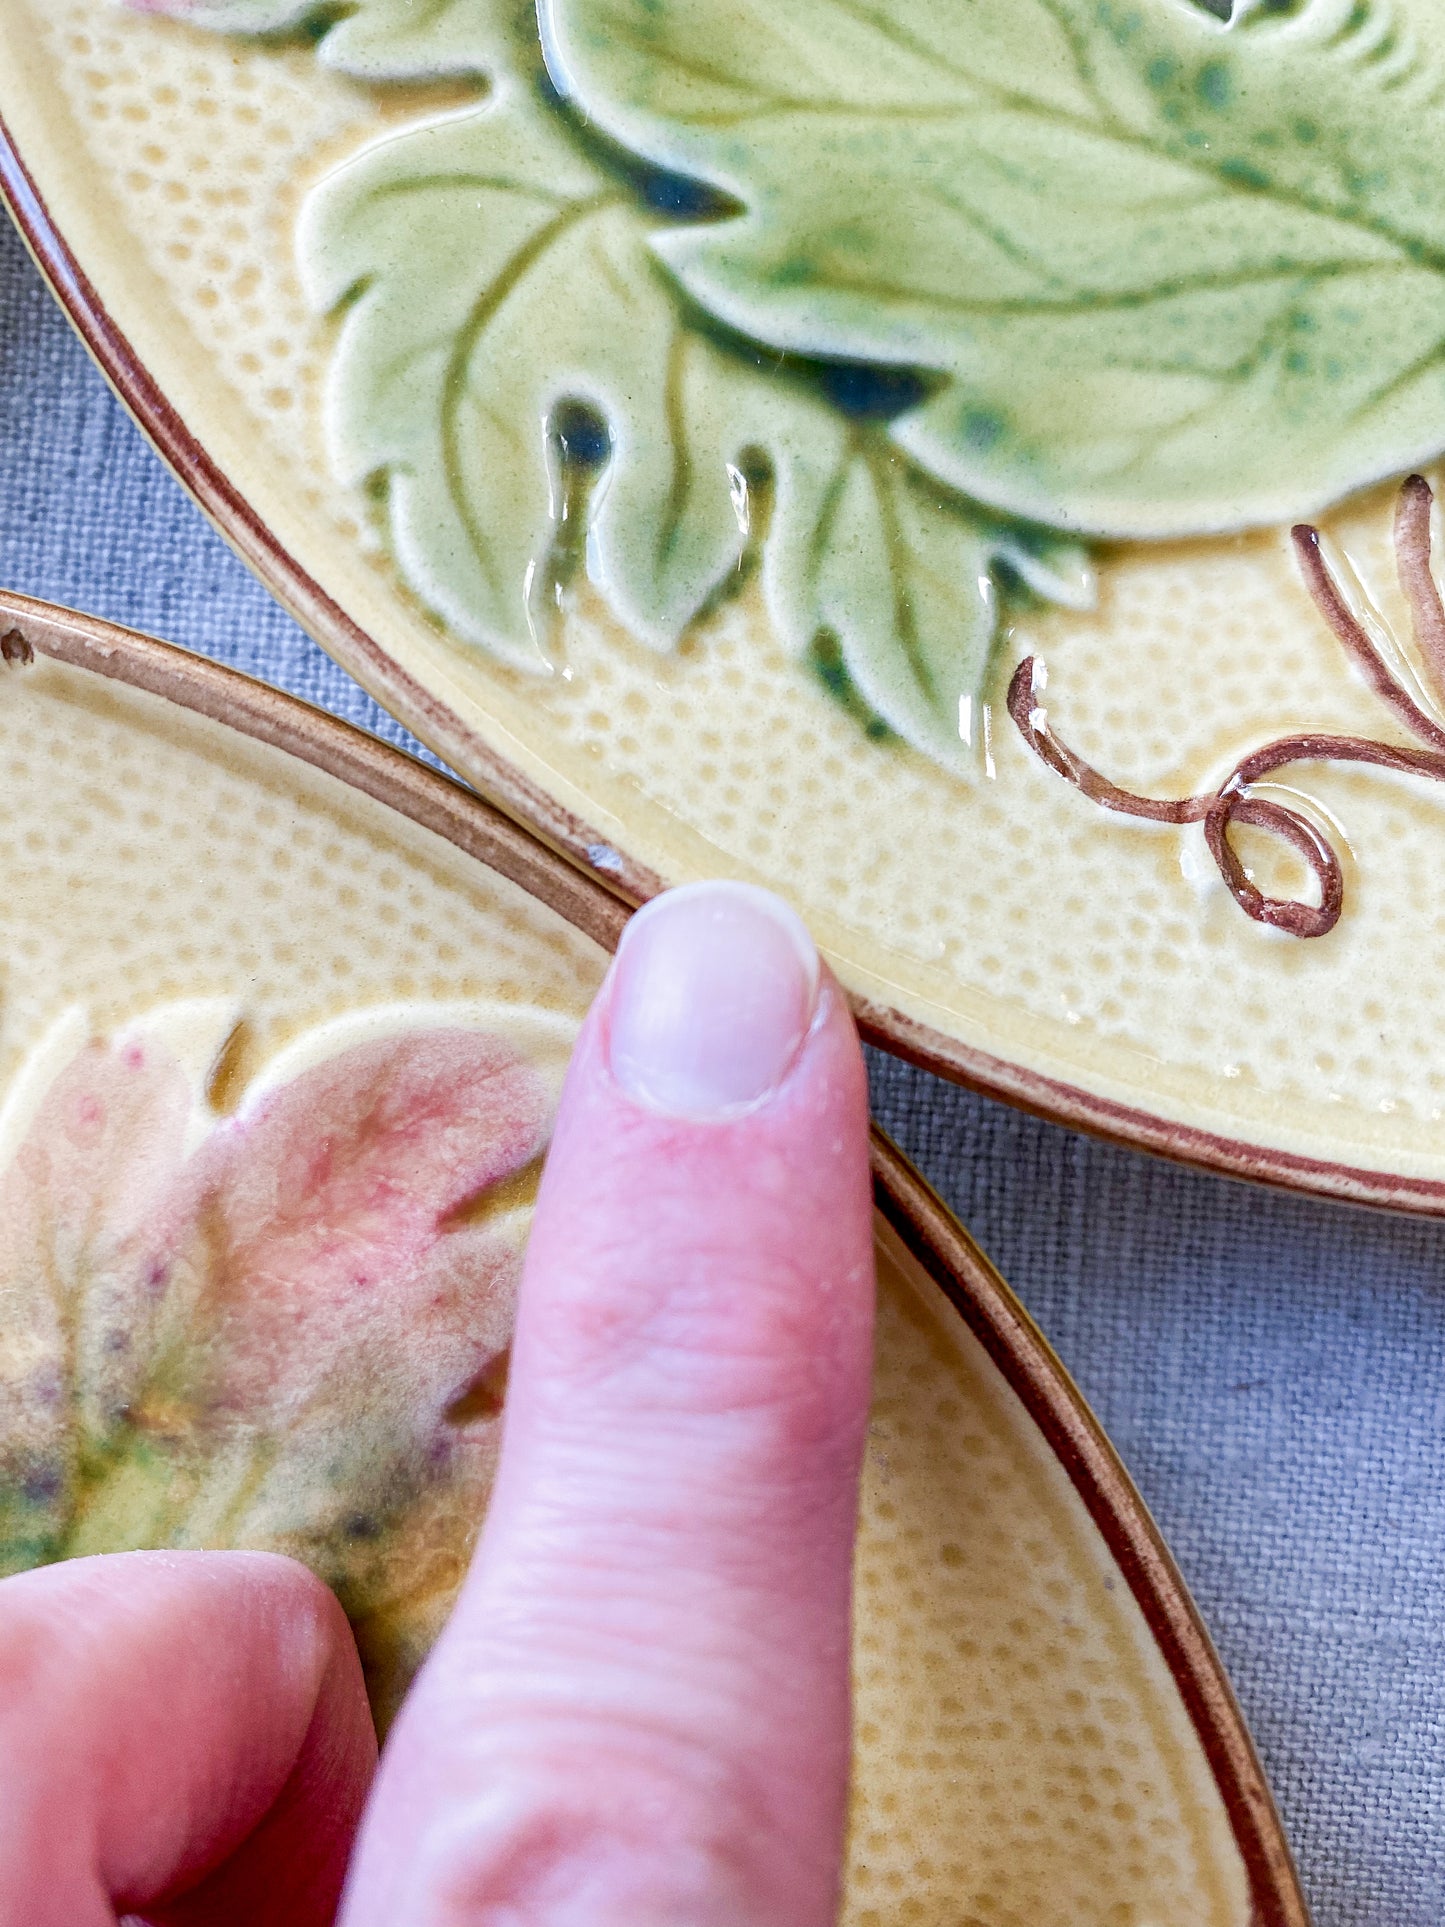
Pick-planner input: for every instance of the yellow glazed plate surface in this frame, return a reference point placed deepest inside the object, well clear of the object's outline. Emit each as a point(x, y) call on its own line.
point(996, 923)
point(1044, 1737)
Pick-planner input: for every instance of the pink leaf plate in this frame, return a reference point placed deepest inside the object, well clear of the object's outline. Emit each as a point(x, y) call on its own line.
point(284, 1018)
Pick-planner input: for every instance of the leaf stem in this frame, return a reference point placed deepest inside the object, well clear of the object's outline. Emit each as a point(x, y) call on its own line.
point(1232, 802)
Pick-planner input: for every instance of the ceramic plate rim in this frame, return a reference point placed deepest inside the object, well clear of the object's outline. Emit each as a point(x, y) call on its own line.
point(945, 1249)
point(915, 1215)
point(527, 803)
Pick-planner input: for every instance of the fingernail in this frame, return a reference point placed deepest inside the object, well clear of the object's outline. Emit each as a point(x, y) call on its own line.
point(713, 993)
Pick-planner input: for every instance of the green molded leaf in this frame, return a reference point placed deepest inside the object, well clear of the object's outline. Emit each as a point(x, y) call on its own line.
point(378, 39)
point(1173, 275)
point(417, 39)
point(279, 1339)
point(542, 301)
point(540, 295)
point(901, 578)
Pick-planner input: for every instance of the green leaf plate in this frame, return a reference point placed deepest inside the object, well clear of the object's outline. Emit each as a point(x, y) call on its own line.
point(854, 449)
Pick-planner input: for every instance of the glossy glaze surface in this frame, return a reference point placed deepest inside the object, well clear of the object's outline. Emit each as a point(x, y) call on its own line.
point(1038, 945)
point(222, 966)
point(1022, 1759)
point(239, 1000)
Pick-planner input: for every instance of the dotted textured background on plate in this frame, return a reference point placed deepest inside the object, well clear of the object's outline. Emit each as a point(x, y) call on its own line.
point(1021, 1761)
point(152, 857)
point(142, 866)
point(1272, 1370)
point(1116, 939)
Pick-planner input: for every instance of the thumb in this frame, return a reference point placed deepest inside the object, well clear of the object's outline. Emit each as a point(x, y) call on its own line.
point(639, 1715)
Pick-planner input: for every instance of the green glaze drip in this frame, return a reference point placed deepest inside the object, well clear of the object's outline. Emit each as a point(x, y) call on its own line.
point(826, 660)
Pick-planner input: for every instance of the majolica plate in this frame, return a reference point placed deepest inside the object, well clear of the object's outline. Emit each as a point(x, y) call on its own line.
point(245, 953)
point(964, 463)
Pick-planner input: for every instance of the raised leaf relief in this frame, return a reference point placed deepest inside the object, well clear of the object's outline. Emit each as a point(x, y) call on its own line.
point(518, 371)
point(283, 1338)
point(376, 39)
point(544, 305)
point(1170, 276)
point(1123, 270)
point(1243, 798)
point(236, 16)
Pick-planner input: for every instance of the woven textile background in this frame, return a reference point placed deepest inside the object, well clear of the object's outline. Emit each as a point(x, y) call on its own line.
point(1273, 1372)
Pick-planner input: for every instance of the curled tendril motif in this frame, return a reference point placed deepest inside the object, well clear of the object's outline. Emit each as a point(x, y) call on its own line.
point(1232, 802)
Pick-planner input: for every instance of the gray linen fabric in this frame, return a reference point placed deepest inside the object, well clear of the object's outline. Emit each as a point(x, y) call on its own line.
point(1272, 1371)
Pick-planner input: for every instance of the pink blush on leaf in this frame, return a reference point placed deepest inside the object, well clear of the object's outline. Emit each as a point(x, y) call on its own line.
point(277, 1341)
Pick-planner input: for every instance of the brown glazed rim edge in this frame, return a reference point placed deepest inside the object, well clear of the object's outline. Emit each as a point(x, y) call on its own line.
point(924, 1224)
point(946, 1251)
point(424, 795)
point(631, 883)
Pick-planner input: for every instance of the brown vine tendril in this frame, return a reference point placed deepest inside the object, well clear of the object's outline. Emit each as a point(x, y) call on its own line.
point(1233, 802)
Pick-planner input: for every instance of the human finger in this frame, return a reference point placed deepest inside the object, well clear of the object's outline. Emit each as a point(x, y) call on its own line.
point(183, 1736)
point(639, 1715)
